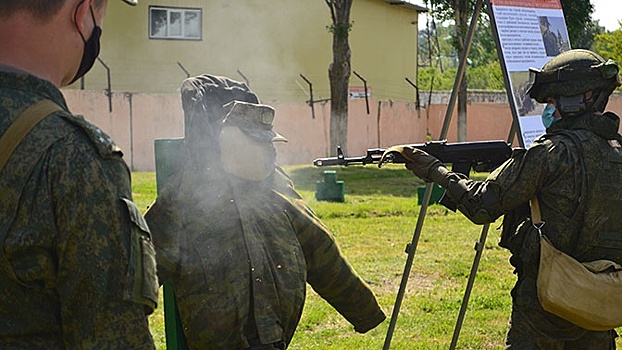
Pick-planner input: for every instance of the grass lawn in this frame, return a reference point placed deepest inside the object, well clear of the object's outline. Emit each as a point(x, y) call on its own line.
point(372, 227)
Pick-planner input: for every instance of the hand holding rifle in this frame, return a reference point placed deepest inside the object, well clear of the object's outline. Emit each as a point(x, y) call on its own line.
point(422, 164)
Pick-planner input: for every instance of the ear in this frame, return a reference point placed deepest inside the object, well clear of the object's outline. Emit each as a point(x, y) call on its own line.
point(82, 15)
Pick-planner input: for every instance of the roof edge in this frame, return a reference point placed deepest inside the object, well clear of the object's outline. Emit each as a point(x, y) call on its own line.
point(407, 5)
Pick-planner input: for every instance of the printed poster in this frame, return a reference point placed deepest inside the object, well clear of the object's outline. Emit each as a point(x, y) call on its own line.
point(530, 33)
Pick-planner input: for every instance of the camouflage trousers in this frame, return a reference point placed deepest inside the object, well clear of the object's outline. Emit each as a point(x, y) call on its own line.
point(522, 336)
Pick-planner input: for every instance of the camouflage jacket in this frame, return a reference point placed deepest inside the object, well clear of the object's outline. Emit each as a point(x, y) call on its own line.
point(77, 269)
point(575, 170)
point(239, 254)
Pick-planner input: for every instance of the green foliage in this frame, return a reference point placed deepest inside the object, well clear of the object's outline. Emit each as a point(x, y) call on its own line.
point(484, 50)
point(486, 77)
point(588, 36)
point(444, 10)
point(431, 78)
point(609, 45)
point(435, 43)
point(340, 30)
point(577, 14)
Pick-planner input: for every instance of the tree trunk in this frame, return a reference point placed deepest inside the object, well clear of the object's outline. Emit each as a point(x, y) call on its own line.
point(461, 8)
point(339, 74)
point(462, 111)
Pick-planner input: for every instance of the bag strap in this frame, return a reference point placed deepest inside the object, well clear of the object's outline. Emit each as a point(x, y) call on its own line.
point(16, 132)
point(536, 217)
point(534, 207)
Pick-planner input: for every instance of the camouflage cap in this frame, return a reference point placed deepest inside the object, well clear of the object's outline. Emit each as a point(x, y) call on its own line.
point(131, 2)
point(255, 120)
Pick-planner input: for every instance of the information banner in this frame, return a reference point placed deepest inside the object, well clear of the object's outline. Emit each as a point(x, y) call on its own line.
point(528, 34)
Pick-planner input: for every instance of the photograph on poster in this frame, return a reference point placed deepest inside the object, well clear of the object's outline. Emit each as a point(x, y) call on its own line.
point(554, 35)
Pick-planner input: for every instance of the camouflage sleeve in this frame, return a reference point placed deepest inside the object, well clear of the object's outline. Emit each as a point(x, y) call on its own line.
point(507, 187)
point(106, 267)
point(330, 275)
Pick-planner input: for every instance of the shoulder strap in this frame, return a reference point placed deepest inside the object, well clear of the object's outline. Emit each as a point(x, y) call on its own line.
point(12, 183)
point(22, 126)
point(534, 205)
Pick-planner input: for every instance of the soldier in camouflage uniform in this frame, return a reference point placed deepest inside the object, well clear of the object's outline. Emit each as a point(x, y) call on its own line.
point(77, 267)
point(574, 170)
point(549, 39)
point(236, 240)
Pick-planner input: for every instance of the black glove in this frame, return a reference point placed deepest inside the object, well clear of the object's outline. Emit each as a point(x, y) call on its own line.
point(419, 162)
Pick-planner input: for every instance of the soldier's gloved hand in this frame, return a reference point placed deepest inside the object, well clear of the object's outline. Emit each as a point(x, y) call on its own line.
point(419, 162)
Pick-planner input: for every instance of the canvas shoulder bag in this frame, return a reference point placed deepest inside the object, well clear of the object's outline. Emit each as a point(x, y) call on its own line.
point(587, 294)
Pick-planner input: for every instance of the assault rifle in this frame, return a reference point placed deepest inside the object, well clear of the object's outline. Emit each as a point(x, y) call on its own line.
point(482, 156)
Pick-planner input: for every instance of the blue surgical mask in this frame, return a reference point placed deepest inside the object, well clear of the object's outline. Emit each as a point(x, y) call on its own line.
point(547, 115)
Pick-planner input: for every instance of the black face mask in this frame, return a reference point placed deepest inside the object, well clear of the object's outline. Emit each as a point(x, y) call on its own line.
point(91, 50)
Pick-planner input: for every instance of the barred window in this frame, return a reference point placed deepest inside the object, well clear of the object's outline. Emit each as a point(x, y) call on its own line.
point(174, 23)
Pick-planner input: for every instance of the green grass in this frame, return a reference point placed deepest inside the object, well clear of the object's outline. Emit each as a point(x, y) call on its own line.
point(372, 227)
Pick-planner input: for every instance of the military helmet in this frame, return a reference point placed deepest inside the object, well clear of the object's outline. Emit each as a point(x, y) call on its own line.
point(573, 73)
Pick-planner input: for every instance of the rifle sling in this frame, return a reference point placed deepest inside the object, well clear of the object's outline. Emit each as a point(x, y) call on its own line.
point(16, 132)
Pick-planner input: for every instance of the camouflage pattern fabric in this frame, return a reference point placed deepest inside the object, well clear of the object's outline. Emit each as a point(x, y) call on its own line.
point(239, 254)
point(577, 176)
point(77, 267)
point(521, 336)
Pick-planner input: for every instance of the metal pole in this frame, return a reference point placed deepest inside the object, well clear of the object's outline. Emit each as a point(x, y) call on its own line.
point(184, 69)
point(479, 248)
point(411, 248)
point(109, 87)
point(417, 104)
point(310, 95)
point(364, 87)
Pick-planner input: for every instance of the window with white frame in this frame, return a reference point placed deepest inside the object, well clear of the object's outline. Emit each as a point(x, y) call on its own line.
point(174, 23)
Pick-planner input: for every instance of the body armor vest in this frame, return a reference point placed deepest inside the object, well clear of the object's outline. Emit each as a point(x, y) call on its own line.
point(600, 236)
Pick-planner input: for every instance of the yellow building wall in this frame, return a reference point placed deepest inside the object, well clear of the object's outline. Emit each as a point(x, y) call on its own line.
point(270, 42)
point(384, 48)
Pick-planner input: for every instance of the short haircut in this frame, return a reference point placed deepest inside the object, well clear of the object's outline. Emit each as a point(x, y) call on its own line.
point(42, 9)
